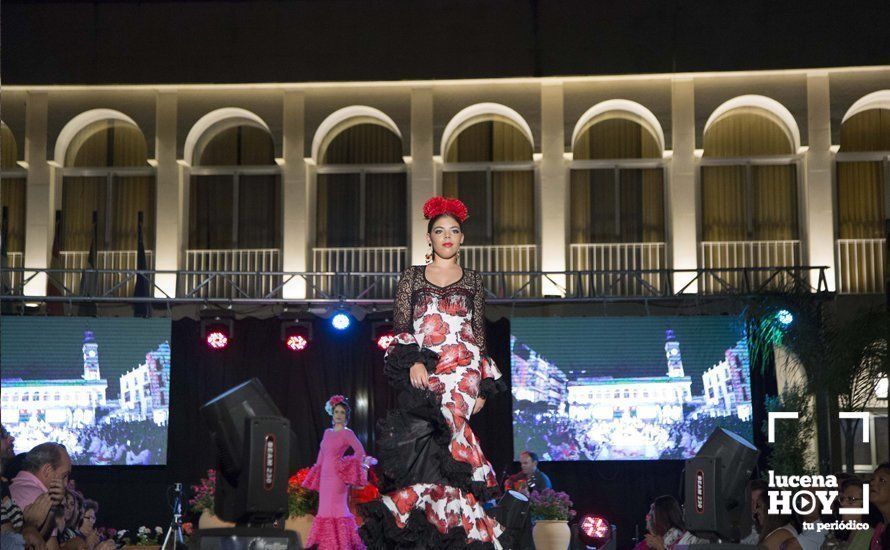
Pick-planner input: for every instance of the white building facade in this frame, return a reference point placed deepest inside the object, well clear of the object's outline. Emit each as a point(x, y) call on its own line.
point(674, 171)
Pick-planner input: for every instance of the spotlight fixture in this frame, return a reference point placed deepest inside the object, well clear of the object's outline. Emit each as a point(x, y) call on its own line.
point(296, 335)
point(382, 334)
point(595, 532)
point(217, 330)
point(340, 321)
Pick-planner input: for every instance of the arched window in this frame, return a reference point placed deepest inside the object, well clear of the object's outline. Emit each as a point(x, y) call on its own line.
point(361, 209)
point(749, 195)
point(361, 189)
point(12, 199)
point(489, 166)
point(617, 204)
point(617, 201)
point(106, 173)
point(862, 172)
point(743, 200)
point(234, 192)
point(234, 209)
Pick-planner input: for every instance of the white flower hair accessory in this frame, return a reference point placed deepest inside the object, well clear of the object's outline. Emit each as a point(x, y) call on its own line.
point(334, 401)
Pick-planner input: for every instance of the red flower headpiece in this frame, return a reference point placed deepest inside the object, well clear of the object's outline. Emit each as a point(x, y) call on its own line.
point(437, 206)
point(333, 402)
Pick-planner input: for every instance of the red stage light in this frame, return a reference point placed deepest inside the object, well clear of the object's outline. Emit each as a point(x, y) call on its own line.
point(217, 339)
point(296, 343)
point(296, 335)
point(595, 531)
point(384, 340)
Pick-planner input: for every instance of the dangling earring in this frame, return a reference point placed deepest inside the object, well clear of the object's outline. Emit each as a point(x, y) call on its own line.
point(429, 255)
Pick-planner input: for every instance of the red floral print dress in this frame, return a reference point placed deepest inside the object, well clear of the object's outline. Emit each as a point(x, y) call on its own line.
point(427, 449)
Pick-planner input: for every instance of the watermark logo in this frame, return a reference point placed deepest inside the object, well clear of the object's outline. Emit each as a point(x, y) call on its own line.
point(807, 495)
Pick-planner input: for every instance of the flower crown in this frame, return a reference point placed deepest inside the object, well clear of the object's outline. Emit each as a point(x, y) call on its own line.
point(333, 402)
point(437, 206)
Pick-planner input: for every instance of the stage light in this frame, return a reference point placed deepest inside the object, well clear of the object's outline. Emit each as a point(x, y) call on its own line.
point(595, 531)
point(785, 317)
point(296, 335)
point(595, 527)
point(217, 338)
point(340, 321)
point(217, 330)
point(296, 343)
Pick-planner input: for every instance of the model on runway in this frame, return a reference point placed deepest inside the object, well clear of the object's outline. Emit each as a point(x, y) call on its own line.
point(430, 458)
point(334, 527)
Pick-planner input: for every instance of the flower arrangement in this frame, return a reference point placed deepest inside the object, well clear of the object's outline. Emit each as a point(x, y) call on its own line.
point(301, 501)
point(368, 493)
point(203, 493)
point(146, 536)
point(551, 505)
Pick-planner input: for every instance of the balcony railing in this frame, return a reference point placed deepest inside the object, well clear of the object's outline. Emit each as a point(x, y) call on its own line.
point(113, 281)
point(595, 258)
point(202, 279)
point(719, 255)
point(505, 258)
point(13, 279)
point(338, 264)
point(860, 266)
point(806, 279)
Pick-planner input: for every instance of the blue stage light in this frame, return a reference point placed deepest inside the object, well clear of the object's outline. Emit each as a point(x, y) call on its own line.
point(785, 317)
point(340, 321)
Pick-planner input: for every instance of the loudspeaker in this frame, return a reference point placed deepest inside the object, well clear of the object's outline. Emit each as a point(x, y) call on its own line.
point(716, 506)
point(260, 496)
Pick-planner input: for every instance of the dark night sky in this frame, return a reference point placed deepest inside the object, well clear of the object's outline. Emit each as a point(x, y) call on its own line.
point(106, 42)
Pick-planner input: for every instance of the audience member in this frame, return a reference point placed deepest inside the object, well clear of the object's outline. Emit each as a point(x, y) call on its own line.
point(666, 527)
point(529, 478)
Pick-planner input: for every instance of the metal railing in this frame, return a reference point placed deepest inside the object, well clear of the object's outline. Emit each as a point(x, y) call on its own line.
point(719, 281)
point(113, 265)
point(343, 263)
point(505, 268)
point(250, 273)
point(608, 257)
point(860, 266)
point(722, 257)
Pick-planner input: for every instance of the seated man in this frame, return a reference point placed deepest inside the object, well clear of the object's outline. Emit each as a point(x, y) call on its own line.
point(38, 489)
point(530, 478)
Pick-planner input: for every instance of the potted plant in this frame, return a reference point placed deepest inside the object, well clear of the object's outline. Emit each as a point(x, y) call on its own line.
point(551, 512)
point(202, 502)
point(146, 537)
point(302, 505)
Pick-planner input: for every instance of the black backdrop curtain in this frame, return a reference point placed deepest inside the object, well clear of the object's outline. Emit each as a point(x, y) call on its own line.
point(349, 363)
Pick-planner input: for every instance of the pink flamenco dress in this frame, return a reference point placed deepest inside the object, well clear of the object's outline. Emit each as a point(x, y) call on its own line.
point(435, 475)
point(334, 527)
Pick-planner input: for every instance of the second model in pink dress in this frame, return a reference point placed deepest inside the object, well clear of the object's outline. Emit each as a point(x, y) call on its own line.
point(334, 527)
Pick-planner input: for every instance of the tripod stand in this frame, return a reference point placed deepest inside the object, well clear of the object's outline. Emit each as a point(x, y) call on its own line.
point(174, 532)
